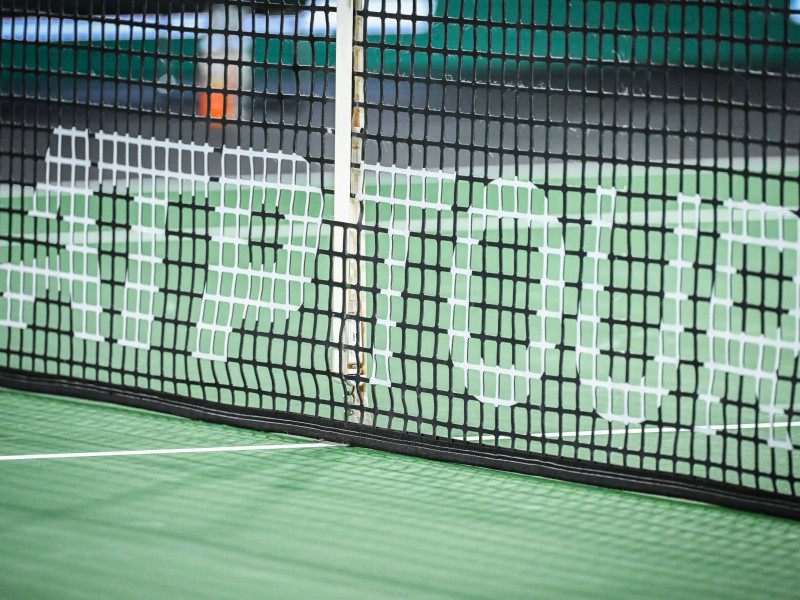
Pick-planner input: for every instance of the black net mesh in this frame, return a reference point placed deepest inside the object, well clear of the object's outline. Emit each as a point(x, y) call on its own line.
point(577, 252)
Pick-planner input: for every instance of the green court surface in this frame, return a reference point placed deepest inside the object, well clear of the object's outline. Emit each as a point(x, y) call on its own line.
point(339, 522)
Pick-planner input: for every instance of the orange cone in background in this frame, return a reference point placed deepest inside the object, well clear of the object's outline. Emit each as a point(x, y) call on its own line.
point(224, 43)
point(217, 105)
point(224, 103)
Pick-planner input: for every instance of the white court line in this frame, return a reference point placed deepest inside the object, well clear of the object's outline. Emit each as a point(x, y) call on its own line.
point(169, 451)
point(630, 431)
point(333, 444)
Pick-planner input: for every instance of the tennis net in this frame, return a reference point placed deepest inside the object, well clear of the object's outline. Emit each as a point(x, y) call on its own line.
point(568, 243)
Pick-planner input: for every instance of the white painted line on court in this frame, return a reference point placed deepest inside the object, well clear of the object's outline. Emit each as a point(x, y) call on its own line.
point(640, 430)
point(629, 431)
point(169, 451)
point(483, 436)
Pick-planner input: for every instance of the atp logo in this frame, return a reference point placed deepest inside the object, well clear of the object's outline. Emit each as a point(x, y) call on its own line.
point(63, 239)
point(695, 304)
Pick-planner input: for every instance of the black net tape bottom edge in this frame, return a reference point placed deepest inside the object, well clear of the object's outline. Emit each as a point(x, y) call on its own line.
point(453, 451)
